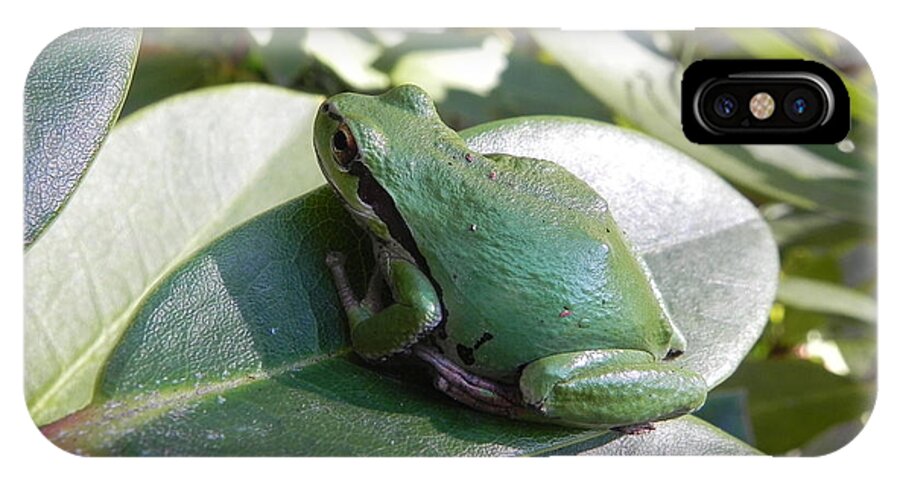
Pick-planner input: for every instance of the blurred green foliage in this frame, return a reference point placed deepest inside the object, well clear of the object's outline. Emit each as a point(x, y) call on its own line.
point(808, 385)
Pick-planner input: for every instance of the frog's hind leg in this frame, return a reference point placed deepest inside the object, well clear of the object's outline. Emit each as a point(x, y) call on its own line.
point(470, 389)
point(620, 389)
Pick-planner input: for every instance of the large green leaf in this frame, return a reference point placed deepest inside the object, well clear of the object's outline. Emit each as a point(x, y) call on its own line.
point(73, 95)
point(168, 180)
point(243, 349)
point(643, 87)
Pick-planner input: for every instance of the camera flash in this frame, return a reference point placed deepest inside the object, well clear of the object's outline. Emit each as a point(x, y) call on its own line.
point(762, 105)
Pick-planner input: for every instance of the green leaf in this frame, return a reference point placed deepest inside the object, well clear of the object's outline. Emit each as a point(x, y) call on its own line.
point(167, 181)
point(818, 296)
point(73, 95)
point(791, 401)
point(644, 88)
point(243, 349)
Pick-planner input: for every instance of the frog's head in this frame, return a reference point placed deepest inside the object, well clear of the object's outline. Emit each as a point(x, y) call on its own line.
point(365, 143)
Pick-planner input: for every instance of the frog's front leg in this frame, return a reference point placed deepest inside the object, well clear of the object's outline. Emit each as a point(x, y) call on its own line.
point(377, 333)
point(619, 389)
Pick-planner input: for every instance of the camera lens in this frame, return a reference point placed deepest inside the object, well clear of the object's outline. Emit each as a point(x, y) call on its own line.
point(801, 105)
point(725, 105)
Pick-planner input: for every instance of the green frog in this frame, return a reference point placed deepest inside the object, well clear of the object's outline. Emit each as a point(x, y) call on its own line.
point(508, 275)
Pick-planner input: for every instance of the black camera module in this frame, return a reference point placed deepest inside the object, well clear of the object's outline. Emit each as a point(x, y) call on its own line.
point(801, 105)
point(725, 105)
point(804, 102)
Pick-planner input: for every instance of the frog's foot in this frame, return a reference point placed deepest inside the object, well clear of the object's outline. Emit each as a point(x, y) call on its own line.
point(623, 390)
point(377, 333)
point(468, 388)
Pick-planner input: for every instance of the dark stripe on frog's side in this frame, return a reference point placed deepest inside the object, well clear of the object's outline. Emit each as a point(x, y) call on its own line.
point(380, 200)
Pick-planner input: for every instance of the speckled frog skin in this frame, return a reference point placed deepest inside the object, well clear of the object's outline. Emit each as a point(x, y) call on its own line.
point(508, 275)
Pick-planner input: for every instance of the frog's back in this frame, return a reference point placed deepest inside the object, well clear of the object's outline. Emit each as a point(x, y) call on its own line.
point(530, 263)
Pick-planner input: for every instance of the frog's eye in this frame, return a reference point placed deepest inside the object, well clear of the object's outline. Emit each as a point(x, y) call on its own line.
point(343, 146)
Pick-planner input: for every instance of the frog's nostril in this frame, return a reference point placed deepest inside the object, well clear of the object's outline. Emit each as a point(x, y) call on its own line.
point(329, 110)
